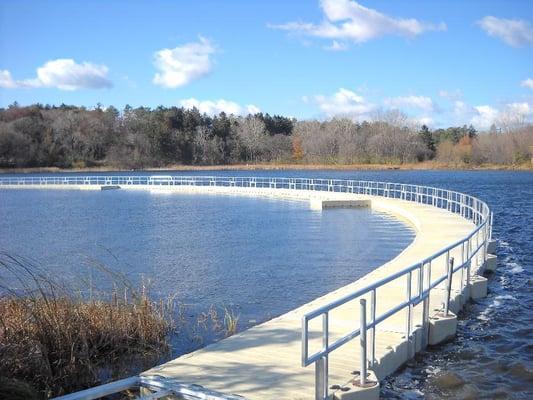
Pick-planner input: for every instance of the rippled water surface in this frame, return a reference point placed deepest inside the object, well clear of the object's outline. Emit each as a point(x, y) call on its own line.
point(238, 244)
point(256, 257)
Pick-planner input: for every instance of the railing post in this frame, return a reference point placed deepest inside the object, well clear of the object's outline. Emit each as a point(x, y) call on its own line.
point(325, 343)
point(468, 265)
point(373, 336)
point(304, 341)
point(449, 287)
point(485, 240)
point(321, 365)
point(425, 305)
point(491, 222)
point(362, 337)
point(408, 322)
point(321, 386)
point(462, 267)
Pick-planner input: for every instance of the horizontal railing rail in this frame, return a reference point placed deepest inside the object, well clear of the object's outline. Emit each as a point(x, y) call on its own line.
point(150, 387)
point(467, 205)
point(472, 247)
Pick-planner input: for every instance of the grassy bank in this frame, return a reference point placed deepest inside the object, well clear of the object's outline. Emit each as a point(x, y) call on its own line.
point(425, 165)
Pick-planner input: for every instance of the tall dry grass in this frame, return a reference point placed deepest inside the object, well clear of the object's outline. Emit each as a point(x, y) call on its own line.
point(55, 341)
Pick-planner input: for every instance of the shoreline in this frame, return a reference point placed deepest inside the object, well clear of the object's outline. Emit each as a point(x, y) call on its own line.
point(422, 166)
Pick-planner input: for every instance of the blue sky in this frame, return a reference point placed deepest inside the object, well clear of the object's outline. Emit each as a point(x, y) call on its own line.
point(440, 62)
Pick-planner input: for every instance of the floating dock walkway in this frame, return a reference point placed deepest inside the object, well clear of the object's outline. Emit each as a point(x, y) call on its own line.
point(356, 335)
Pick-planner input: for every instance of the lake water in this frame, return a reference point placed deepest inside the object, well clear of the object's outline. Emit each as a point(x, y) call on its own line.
point(257, 257)
point(250, 253)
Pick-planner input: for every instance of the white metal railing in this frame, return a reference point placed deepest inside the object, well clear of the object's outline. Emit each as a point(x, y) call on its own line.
point(474, 245)
point(151, 387)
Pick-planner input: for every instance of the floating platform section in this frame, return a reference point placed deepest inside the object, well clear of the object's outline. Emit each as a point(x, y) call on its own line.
point(320, 204)
point(110, 187)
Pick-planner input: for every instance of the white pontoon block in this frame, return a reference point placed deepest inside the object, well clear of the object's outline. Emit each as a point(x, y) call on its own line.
point(442, 327)
point(478, 287)
point(491, 263)
point(354, 391)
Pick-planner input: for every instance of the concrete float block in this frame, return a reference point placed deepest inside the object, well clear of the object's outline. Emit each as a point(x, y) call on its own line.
point(398, 355)
point(393, 359)
point(91, 187)
point(478, 287)
point(320, 204)
point(479, 265)
point(491, 263)
point(477, 268)
point(414, 345)
point(457, 299)
point(315, 204)
point(418, 339)
point(491, 246)
point(354, 391)
point(442, 327)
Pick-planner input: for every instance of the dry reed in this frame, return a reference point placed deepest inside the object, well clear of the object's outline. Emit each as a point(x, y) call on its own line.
point(58, 342)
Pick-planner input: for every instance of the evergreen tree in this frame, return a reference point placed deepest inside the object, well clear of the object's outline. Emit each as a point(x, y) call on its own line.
point(427, 137)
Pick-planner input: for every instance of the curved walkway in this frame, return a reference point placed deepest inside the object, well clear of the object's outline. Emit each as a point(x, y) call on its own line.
point(264, 362)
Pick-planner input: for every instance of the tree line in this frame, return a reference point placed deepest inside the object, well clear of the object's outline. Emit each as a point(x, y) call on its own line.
point(73, 137)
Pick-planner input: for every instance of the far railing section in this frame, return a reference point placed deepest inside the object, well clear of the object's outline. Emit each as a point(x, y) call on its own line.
point(467, 206)
point(471, 247)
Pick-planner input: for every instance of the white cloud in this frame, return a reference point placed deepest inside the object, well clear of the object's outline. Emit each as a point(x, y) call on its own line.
point(462, 110)
point(252, 109)
point(419, 110)
point(183, 64)
point(515, 115)
point(6, 80)
point(484, 116)
point(350, 104)
point(527, 83)
point(421, 120)
point(514, 32)
point(344, 103)
point(519, 108)
point(336, 46)
point(217, 106)
point(64, 74)
point(452, 95)
point(481, 116)
point(348, 20)
point(420, 102)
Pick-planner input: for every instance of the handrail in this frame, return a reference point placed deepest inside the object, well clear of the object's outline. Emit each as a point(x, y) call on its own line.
point(150, 387)
point(481, 216)
point(471, 246)
point(385, 189)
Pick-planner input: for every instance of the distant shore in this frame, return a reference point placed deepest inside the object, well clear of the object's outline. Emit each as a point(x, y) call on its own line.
point(281, 166)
